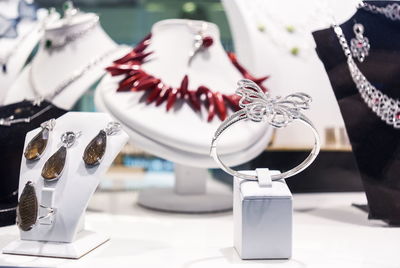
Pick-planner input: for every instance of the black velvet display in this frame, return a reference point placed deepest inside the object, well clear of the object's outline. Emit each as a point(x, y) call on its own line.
point(375, 144)
point(12, 140)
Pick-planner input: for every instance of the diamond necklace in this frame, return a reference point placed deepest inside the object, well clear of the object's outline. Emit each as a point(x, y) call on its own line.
point(385, 107)
point(67, 82)
point(11, 120)
point(51, 44)
point(391, 11)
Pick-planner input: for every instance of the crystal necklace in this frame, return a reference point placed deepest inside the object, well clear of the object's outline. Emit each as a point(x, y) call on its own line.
point(60, 88)
point(55, 44)
point(385, 107)
point(67, 82)
point(136, 79)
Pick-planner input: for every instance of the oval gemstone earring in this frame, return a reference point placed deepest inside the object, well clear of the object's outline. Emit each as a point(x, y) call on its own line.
point(35, 148)
point(96, 148)
point(359, 45)
point(27, 209)
point(54, 166)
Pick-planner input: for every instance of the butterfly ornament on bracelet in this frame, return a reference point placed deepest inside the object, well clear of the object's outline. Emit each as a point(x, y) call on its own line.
point(260, 106)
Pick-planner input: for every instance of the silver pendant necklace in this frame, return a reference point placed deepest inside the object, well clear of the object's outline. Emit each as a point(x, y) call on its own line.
point(385, 107)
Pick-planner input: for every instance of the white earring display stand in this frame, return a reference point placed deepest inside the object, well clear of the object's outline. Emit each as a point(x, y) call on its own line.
point(62, 235)
point(182, 135)
point(50, 68)
point(195, 191)
point(269, 51)
point(18, 50)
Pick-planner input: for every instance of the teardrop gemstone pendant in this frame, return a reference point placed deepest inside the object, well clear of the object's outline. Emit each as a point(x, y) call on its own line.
point(95, 150)
point(27, 210)
point(35, 148)
point(54, 166)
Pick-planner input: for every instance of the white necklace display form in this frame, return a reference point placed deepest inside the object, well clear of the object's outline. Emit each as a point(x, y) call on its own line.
point(183, 135)
point(62, 235)
point(14, 52)
point(288, 73)
point(52, 67)
point(181, 128)
point(9, 8)
point(157, 147)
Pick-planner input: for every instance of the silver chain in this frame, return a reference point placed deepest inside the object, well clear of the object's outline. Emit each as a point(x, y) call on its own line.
point(386, 108)
point(11, 120)
point(7, 209)
point(75, 76)
point(12, 208)
point(71, 37)
point(391, 11)
point(8, 121)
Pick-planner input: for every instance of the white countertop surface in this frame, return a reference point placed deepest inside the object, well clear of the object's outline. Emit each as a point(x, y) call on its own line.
point(328, 232)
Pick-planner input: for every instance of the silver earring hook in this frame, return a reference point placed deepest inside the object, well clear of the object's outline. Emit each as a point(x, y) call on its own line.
point(112, 128)
point(68, 138)
point(50, 124)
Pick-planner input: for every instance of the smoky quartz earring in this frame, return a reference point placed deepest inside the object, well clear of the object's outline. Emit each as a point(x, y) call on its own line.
point(28, 208)
point(95, 150)
point(54, 166)
point(36, 147)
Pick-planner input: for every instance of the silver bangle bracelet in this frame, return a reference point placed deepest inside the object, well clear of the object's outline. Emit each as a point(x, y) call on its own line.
point(278, 112)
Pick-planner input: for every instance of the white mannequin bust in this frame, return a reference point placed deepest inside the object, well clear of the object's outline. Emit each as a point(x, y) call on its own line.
point(181, 128)
point(52, 67)
point(14, 52)
point(305, 72)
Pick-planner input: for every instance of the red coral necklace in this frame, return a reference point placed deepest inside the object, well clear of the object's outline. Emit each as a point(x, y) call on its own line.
point(136, 79)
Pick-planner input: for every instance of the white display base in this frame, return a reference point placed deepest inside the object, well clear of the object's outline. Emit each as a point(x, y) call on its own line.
point(168, 200)
point(262, 219)
point(190, 194)
point(85, 242)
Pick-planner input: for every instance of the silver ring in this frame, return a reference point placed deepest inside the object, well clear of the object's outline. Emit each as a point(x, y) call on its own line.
point(50, 212)
point(278, 112)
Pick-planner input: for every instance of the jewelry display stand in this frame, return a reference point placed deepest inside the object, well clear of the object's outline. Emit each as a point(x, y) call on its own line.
point(61, 234)
point(188, 200)
point(375, 143)
point(29, 34)
point(260, 34)
point(262, 216)
point(53, 67)
point(182, 135)
point(191, 193)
